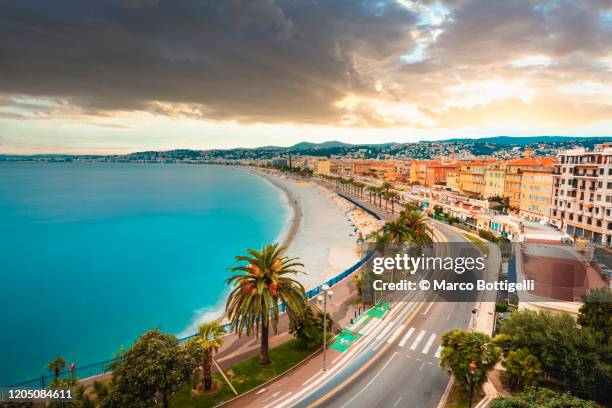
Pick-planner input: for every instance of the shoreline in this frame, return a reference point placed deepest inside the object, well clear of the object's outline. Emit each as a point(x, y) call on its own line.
point(296, 218)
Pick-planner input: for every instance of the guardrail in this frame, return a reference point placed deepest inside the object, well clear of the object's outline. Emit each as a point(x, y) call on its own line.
point(372, 213)
point(102, 367)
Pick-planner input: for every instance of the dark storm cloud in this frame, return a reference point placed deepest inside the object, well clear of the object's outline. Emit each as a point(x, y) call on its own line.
point(269, 61)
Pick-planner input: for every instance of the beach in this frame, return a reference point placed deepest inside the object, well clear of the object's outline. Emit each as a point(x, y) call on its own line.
point(324, 229)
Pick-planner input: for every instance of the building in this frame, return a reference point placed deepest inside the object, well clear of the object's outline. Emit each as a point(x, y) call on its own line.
point(436, 173)
point(373, 168)
point(514, 175)
point(452, 181)
point(536, 194)
point(472, 178)
point(322, 167)
point(494, 182)
point(582, 193)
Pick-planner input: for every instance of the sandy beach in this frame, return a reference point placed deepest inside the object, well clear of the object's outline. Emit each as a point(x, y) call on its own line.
point(324, 230)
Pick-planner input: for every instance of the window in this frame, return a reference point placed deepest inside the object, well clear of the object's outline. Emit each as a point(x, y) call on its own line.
point(601, 172)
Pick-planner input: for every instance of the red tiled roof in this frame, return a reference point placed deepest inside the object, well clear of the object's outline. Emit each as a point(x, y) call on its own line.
point(534, 161)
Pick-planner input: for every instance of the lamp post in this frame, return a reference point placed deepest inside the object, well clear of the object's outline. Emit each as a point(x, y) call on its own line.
point(327, 293)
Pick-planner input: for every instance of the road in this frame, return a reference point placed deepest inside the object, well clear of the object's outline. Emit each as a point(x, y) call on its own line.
point(396, 364)
point(392, 363)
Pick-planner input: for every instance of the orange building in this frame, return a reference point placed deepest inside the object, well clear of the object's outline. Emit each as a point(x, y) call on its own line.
point(513, 183)
point(373, 168)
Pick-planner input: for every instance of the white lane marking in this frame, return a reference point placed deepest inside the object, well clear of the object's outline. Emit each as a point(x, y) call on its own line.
point(428, 307)
point(384, 332)
point(438, 351)
point(347, 357)
point(315, 376)
point(396, 334)
point(406, 337)
point(451, 312)
point(371, 381)
point(417, 340)
point(429, 343)
point(367, 326)
point(273, 404)
point(271, 396)
point(397, 402)
point(260, 391)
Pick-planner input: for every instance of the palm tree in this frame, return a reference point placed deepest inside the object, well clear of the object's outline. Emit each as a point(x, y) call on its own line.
point(420, 232)
point(391, 196)
point(372, 190)
point(397, 231)
point(258, 291)
point(57, 365)
point(523, 369)
point(209, 339)
point(386, 186)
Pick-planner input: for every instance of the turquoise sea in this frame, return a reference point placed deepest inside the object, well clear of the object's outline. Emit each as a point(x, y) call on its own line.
point(92, 255)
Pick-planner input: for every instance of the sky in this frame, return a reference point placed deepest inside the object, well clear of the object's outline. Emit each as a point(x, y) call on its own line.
point(115, 76)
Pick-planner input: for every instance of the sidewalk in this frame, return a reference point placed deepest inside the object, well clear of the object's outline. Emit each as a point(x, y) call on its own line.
point(340, 307)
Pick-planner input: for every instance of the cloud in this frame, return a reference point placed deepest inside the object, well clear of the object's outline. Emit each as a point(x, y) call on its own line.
point(398, 62)
point(259, 61)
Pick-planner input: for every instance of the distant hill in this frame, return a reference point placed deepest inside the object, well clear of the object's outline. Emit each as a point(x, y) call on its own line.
point(324, 145)
point(525, 140)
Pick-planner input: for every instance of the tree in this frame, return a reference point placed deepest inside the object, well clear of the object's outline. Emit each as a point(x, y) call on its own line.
point(260, 289)
point(596, 313)
point(542, 398)
point(420, 232)
point(156, 365)
point(209, 340)
point(523, 369)
point(308, 327)
point(571, 355)
point(56, 366)
point(397, 231)
point(468, 357)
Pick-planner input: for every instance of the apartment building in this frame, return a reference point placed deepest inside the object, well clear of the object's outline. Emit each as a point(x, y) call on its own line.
point(452, 181)
point(472, 178)
point(373, 168)
point(494, 182)
point(513, 180)
point(323, 167)
point(436, 173)
point(536, 194)
point(582, 193)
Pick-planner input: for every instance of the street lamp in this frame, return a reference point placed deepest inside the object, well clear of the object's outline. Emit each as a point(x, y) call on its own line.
point(327, 293)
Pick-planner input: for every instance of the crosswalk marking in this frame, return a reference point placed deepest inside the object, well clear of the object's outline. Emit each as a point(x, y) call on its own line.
point(417, 340)
point(396, 334)
point(429, 343)
point(406, 337)
point(438, 351)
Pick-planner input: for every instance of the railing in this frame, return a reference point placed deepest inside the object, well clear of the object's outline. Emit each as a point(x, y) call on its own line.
point(103, 367)
point(372, 213)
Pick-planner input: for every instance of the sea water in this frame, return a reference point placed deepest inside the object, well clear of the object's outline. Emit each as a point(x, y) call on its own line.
point(94, 254)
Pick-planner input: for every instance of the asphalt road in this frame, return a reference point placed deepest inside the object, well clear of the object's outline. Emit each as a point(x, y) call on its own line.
point(397, 363)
